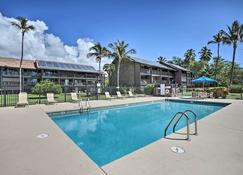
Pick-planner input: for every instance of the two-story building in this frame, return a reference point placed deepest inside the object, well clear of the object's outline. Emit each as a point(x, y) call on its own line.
point(139, 72)
point(70, 76)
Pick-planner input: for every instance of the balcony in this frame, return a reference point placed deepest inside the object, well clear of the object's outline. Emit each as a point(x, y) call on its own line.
point(156, 72)
point(183, 79)
point(145, 71)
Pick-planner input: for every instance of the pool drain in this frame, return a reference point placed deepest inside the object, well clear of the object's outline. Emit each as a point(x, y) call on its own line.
point(42, 136)
point(177, 149)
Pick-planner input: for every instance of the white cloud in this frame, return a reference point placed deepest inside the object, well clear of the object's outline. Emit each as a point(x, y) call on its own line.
point(39, 44)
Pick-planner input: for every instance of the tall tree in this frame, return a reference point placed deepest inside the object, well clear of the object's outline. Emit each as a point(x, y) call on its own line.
point(233, 37)
point(189, 56)
point(205, 54)
point(22, 25)
point(176, 60)
point(109, 68)
point(120, 51)
point(217, 39)
point(161, 59)
point(98, 52)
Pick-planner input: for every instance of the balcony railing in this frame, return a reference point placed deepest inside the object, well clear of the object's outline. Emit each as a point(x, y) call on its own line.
point(146, 71)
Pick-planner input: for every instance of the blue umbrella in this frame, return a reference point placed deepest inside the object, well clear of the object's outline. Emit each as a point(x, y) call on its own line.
point(203, 80)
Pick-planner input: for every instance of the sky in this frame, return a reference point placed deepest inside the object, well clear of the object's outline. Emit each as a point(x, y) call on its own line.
point(66, 29)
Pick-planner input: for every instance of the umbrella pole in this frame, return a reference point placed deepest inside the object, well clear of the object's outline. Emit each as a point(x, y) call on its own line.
point(203, 87)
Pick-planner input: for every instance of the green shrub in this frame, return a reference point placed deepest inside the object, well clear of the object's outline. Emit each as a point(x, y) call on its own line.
point(219, 92)
point(138, 91)
point(45, 87)
point(149, 89)
point(236, 88)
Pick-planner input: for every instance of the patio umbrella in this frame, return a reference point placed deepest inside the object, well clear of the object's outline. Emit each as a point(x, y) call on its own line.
point(203, 80)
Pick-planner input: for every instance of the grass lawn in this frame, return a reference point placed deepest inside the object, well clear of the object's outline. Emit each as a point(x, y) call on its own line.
point(234, 96)
point(229, 96)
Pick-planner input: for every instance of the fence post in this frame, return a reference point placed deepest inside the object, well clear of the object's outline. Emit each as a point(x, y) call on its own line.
point(39, 99)
point(5, 98)
point(65, 95)
point(241, 87)
point(39, 95)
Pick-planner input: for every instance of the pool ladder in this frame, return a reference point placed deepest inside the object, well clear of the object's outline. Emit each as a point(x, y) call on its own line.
point(87, 105)
point(183, 114)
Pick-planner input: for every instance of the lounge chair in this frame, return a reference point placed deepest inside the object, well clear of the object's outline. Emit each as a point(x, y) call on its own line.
point(50, 98)
point(108, 96)
point(118, 93)
point(74, 97)
point(23, 99)
point(130, 94)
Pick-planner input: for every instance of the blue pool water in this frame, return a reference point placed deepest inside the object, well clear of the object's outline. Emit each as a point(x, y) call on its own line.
point(108, 134)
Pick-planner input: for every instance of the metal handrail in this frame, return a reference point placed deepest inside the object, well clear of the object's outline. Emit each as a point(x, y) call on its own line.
point(88, 105)
point(182, 114)
point(195, 121)
point(81, 108)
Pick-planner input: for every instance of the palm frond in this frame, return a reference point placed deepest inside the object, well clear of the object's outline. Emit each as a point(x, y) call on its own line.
point(23, 24)
point(212, 42)
point(16, 25)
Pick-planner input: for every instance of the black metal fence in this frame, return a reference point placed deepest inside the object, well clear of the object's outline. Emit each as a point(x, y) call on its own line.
point(10, 97)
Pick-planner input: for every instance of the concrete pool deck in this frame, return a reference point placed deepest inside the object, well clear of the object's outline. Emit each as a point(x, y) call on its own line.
point(218, 149)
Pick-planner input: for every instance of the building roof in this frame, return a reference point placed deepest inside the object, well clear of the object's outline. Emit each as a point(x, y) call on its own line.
point(179, 67)
point(151, 63)
point(41, 64)
point(15, 63)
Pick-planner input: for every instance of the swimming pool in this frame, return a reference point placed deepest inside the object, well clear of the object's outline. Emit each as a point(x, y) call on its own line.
point(108, 134)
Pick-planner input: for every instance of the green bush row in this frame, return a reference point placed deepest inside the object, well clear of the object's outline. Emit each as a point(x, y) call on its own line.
point(149, 89)
point(45, 87)
point(236, 88)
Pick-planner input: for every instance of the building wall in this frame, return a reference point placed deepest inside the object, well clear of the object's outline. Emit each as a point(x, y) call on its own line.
point(178, 77)
point(138, 75)
point(9, 79)
point(128, 74)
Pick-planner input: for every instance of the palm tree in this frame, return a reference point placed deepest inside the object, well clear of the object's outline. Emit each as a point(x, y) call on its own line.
point(98, 52)
point(176, 60)
point(23, 26)
point(205, 54)
point(109, 68)
point(234, 35)
point(189, 56)
point(161, 59)
point(217, 39)
point(120, 51)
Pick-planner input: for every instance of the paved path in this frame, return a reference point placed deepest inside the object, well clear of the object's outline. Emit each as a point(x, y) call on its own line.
point(217, 149)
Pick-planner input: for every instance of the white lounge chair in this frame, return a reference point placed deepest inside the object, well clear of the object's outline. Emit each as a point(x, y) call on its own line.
point(50, 98)
point(118, 93)
point(108, 96)
point(23, 99)
point(130, 94)
point(137, 95)
point(74, 97)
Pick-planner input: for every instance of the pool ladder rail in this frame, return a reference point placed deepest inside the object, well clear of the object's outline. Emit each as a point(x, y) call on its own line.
point(87, 106)
point(183, 114)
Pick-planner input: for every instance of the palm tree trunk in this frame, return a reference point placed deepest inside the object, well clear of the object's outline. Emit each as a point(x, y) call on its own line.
point(118, 74)
point(233, 65)
point(216, 64)
point(99, 69)
point(21, 60)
